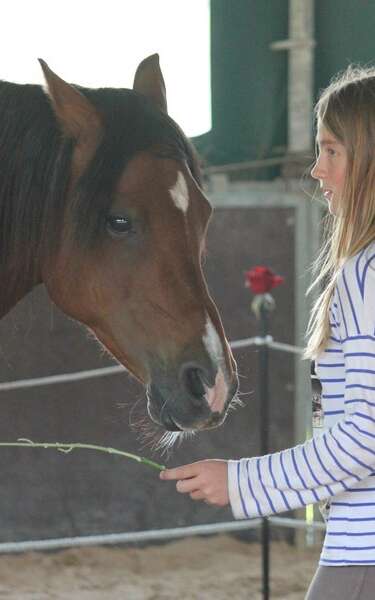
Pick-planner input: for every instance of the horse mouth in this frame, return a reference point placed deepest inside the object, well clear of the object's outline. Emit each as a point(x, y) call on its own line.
point(193, 411)
point(165, 419)
point(169, 423)
point(158, 411)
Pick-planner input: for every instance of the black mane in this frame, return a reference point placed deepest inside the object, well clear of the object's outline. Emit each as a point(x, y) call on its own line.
point(36, 162)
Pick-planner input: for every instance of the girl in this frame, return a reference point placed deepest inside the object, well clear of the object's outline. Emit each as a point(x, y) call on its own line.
point(339, 464)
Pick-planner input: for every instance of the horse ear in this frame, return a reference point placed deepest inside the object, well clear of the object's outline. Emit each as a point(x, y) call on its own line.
point(149, 81)
point(77, 116)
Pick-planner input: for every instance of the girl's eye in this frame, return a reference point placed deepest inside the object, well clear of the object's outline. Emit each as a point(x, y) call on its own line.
point(331, 151)
point(118, 226)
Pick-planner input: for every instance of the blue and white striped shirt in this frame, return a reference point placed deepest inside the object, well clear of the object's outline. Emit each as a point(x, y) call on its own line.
point(339, 463)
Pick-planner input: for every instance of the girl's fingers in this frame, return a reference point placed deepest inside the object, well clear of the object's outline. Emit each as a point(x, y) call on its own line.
point(184, 472)
point(197, 495)
point(185, 486)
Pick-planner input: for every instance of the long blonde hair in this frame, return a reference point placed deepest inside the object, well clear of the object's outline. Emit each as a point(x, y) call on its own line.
point(346, 108)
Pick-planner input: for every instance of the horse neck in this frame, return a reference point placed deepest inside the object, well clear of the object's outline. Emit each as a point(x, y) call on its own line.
point(9, 298)
point(21, 203)
point(13, 283)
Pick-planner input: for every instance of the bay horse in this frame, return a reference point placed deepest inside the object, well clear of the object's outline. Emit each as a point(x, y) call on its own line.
point(101, 201)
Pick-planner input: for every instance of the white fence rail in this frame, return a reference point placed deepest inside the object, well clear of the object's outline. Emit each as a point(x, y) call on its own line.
point(150, 535)
point(6, 386)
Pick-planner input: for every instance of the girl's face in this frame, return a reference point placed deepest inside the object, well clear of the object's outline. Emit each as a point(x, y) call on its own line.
point(330, 168)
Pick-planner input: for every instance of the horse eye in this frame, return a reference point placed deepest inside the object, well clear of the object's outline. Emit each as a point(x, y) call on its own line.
point(118, 225)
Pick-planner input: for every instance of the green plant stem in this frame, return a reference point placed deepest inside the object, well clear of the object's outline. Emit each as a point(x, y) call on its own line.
point(66, 448)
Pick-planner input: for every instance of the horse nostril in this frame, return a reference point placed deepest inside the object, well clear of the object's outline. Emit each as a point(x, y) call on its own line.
point(193, 378)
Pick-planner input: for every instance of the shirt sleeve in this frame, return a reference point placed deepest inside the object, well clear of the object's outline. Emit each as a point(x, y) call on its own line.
point(344, 455)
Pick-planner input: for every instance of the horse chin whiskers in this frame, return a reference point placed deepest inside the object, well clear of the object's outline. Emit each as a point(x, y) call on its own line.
point(172, 438)
point(235, 403)
point(152, 436)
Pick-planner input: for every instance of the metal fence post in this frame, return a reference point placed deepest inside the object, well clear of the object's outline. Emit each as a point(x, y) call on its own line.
point(261, 280)
point(263, 399)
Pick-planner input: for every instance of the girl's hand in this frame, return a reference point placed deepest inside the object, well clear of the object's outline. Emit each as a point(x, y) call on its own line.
point(204, 480)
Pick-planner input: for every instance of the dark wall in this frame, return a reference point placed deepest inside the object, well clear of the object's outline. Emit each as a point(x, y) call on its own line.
point(344, 34)
point(47, 494)
point(249, 80)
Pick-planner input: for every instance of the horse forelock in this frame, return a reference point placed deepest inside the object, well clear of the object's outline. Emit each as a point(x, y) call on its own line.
point(131, 125)
point(36, 168)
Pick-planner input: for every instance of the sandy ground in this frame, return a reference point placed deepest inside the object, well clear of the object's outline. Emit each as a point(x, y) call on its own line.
point(219, 568)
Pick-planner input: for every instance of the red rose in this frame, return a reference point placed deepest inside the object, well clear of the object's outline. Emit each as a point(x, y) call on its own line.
point(261, 280)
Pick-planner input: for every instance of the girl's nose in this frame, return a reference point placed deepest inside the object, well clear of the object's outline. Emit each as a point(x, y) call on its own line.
point(317, 172)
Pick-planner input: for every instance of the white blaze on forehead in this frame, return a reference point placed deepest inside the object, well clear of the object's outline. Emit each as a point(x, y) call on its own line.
point(179, 193)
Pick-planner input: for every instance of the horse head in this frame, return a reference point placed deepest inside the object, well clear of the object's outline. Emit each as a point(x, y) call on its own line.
point(128, 262)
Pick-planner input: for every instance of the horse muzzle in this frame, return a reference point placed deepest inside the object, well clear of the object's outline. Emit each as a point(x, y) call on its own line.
point(198, 398)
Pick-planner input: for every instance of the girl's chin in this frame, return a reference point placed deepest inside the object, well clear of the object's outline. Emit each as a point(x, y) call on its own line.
point(332, 207)
point(331, 211)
